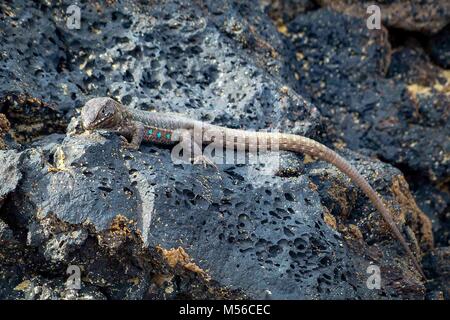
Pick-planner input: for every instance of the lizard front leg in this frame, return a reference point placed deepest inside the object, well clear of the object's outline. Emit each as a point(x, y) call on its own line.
point(135, 130)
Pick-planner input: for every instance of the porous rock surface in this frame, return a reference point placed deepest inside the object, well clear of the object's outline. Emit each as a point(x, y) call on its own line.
point(427, 16)
point(439, 46)
point(380, 92)
point(260, 233)
point(368, 92)
point(301, 231)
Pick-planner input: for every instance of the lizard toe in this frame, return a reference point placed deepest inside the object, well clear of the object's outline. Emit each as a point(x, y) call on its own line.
point(205, 161)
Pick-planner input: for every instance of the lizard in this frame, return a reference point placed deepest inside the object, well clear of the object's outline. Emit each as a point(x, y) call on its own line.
point(136, 126)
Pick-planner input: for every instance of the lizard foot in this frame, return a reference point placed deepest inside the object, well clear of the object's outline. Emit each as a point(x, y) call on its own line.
point(205, 161)
point(127, 145)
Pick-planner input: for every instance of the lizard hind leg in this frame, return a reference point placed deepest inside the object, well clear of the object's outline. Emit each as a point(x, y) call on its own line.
point(204, 160)
point(194, 148)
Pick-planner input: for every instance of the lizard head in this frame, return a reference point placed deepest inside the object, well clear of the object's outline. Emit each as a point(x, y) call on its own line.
point(101, 113)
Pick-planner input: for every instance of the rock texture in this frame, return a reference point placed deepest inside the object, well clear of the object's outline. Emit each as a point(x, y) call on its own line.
point(286, 10)
point(140, 227)
point(439, 46)
point(427, 16)
point(4, 128)
point(389, 101)
point(270, 228)
point(369, 95)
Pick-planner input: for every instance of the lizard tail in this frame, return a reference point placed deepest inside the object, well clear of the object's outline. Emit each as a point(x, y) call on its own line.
point(313, 148)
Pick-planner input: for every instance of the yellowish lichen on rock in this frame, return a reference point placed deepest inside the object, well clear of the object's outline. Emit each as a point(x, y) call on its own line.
point(281, 27)
point(308, 159)
point(330, 220)
point(24, 285)
point(121, 226)
point(355, 231)
point(179, 256)
point(59, 161)
point(438, 86)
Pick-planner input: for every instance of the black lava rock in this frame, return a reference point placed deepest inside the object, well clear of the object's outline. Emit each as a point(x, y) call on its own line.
point(139, 226)
point(440, 47)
